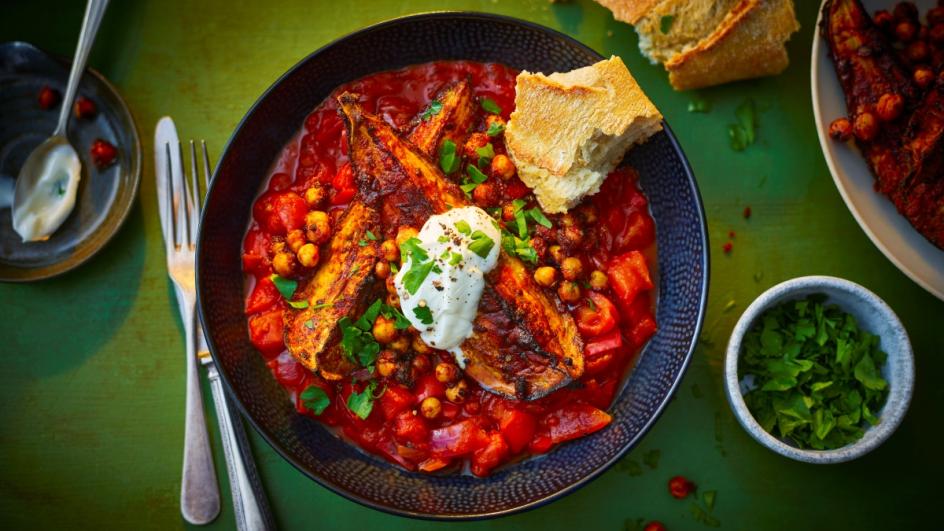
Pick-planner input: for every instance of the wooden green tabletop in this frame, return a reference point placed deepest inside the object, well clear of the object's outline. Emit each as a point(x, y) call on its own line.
point(92, 363)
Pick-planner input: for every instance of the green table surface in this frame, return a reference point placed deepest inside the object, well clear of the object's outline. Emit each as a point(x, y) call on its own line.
point(92, 364)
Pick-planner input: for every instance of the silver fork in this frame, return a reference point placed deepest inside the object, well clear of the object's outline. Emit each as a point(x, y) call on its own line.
point(251, 509)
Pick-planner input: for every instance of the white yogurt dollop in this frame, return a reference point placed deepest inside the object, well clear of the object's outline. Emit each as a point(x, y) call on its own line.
point(41, 206)
point(461, 246)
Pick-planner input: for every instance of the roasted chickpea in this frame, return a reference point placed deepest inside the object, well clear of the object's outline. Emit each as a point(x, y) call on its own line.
point(419, 346)
point(284, 264)
point(571, 268)
point(382, 269)
point(458, 392)
point(494, 119)
point(598, 280)
point(386, 362)
point(390, 285)
point(421, 362)
point(474, 142)
point(545, 276)
point(278, 246)
point(865, 127)
point(502, 167)
point(318, 227)
point(314, 196)
point(840, 129)
point(884, 19)
point(384, 331)
point(508, 212)
point(539, 245)
point(308, 255)
point(486, 194)
point(389, 251)
point(392, 300)
point(401, 344)
point(917, 52)
point(889, 107)
point(588, 213)
point(295, 239)
point(568, 291)
point(557, 254)
point(430, 407)
point(404, 233)
point(568, 220)
point(924, 76)
point(446, 372)
point(906, 31)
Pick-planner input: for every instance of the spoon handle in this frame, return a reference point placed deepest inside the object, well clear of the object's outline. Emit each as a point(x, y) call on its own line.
point(94, 11)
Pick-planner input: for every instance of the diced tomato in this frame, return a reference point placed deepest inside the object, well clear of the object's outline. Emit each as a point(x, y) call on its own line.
point(628, 275)
point(395, 400)
point(256, 265)
point(343, 185)
point(610, 341)
point(518, 428)
point(450, 410)
point(280, 181)
point(280, 212)
point(287, 371)
point(642, 330)
point(599, 393)
point(265, 332)
point(433, 464)
point(624, 220)
point(640, 232)
point(541, 444)
point(491, 455)
point(461, 438)
point(388, 449)
point(596, 317)
point(576, 420)
point(257, 242)
point(427, 386)
point(410, 428)
point(413, 454)
point(264, 296)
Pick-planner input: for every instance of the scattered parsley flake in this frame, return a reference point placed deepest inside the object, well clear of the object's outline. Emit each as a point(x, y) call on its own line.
point(481, 244)
point(448, 161)
point(371, 236)
point(665, 23)
point(424, 314)
point(490, 106)
point(463, 227)
point(743, 133)
point(699, 105)
point(361, 404)
point(476, 175)
point(315, 399)
point(486, 153)
point(495, 129)
point(435, 107)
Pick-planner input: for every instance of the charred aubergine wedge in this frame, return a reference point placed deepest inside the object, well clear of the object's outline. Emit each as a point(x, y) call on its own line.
point(344, 284)
point(907, 154)
point(524, 344)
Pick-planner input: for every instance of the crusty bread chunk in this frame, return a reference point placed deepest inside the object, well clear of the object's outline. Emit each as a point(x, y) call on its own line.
point(569, 130)
point(673, 27)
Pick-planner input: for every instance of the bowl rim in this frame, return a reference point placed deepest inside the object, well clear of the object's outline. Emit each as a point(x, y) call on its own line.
point(891, 419)
point(327, 482)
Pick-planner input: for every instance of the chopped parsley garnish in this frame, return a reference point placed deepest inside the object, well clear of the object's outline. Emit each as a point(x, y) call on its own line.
point(699, 105)
point(362, 243)
point(286, 287)
point(495, 129)
point(665, 23)
point(418, 272)
point(412, 248)
point(742, 134)
point(442, 239)
point(475, 177)
point(448, 160)
point(315, 399)
point(490, 106)
point(481, 244)
point(424, 314)
point(400, 322)
point(539, 217)
point(816, 376)
point(371, 236)
point(519, 247)
point(361, 404)
point(435, 107)
point(309, 324)
point(454, 259)
point(463, 227)
point(357, 341)
point(486, 153)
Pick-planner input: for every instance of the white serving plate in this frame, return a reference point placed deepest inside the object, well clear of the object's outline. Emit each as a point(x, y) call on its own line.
point(911, 252)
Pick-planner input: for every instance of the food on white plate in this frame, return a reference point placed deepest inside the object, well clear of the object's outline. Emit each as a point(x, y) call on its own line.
point(896, 120)
point(706, 42)
point(40, 209)
point(570, 130)
point(406, 288)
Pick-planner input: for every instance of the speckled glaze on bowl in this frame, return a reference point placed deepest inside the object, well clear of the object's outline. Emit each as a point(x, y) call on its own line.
point(873, 315)
point(682, 292)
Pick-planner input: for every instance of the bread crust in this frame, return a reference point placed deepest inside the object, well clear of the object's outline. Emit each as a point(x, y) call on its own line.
point(750, 42)
point(629, 10)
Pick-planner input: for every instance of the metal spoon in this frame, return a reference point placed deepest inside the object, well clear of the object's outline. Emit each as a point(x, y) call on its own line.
point(49, 179)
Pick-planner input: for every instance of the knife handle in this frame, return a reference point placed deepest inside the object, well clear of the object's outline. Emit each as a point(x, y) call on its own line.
point(249, 502)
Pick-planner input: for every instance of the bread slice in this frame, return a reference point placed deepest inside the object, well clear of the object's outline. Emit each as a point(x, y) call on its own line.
point(750, 42)
point(629, 11)
point(674, 26)
point(569, 130)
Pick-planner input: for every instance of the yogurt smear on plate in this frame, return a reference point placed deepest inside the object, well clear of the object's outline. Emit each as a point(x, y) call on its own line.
point(442, 278)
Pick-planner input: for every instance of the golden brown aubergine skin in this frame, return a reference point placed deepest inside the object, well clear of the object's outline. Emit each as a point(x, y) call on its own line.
point(907, 156)
point(524, 343)
point(344, 285)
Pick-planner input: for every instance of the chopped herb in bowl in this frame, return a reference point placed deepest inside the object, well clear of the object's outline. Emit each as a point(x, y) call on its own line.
point(814, 375)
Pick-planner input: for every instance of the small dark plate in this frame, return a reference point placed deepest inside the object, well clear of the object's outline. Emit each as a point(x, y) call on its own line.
point(274, 119)
point(104, 197)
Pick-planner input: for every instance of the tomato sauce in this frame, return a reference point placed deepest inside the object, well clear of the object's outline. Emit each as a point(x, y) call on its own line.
point(612, 232)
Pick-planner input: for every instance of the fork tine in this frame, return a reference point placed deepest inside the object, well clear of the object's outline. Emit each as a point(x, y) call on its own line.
point(195, 184)
point(171, 199)
point(206, 166)
point(187, 203)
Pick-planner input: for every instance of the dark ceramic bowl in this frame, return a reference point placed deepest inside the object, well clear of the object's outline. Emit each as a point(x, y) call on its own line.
point(279, 113)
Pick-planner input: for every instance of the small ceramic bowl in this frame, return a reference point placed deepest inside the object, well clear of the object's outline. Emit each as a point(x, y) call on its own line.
point(872, 315)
